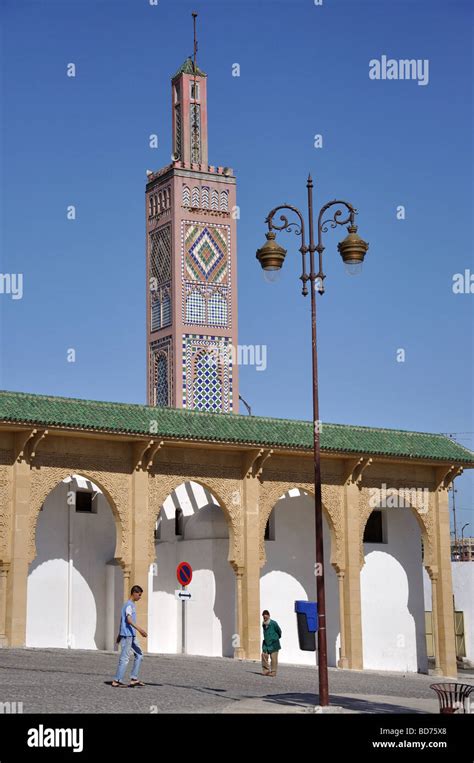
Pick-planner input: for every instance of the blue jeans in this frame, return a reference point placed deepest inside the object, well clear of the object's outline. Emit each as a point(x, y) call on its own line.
point(128, 644)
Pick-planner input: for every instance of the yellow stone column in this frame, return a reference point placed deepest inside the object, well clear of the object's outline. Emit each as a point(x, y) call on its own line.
point(17, 579)
point(127, 571)
point(433, 573)
point(443, 589)
point(350, 585)
point(142, 546)
point(239, 651)
point(342, 662)
point(250, 585)
point(4, 567)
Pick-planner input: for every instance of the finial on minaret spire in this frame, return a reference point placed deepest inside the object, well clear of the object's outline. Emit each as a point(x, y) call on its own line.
point(195, 41)
point(195, 137)
point(189, 100)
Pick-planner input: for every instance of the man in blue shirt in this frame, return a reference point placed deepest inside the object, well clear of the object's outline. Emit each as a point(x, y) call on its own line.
point(127, 640)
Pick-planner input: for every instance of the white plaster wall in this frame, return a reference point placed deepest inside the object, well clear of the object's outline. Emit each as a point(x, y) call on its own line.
point(210, 615)
point(427, 590)
point(288, 575)
point(393, 626)
point(93, 546)
point(463, 590)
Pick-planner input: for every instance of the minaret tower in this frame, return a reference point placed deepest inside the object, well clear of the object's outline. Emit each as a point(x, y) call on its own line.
point(191, 263)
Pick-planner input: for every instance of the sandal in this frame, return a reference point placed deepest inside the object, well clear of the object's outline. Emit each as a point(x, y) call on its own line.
point(117, 684)
point(136, 682)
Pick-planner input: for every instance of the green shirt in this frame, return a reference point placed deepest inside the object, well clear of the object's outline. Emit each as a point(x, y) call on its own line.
point(271, 637)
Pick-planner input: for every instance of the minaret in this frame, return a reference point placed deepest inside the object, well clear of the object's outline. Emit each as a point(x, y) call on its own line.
point(191, 263)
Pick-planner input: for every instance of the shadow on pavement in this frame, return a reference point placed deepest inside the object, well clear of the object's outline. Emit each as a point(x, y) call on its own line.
point(348, 703)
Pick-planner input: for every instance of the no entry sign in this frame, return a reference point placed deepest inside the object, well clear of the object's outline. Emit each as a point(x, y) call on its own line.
point(184, 573)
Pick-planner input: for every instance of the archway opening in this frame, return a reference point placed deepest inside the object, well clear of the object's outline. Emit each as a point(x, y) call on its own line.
point(289, 574)
point(192, 527)
point(392, 599)
point(75, 586)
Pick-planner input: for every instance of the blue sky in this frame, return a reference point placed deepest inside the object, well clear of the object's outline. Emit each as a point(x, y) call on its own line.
point(304, 71)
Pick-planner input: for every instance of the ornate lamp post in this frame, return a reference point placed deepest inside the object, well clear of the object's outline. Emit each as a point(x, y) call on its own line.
point(271, 257)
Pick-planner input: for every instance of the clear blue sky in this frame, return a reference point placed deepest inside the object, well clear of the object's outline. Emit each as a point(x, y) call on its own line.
point(304, 70)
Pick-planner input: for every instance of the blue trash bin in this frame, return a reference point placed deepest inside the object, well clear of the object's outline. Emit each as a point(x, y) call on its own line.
point(307, 621)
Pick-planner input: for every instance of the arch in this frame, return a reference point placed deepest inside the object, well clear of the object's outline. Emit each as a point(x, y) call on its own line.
point(75, 564)
point(195, 197)
point(194, 526)
point(114, 486)
point(224, 201)
point(424, 518)
point(289, 573)
point(215, 200)
point(205, 197)
point(392, 594)
point(186, 196)
point(226, 492)
point(274, 492)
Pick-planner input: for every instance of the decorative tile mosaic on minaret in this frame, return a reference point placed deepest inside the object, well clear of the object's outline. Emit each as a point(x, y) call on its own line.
point(191, 264)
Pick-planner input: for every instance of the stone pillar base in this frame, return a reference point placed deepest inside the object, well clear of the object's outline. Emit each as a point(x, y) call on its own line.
point(3, 642)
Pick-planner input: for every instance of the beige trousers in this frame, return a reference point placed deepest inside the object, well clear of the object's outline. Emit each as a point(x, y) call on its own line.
point(266, 659)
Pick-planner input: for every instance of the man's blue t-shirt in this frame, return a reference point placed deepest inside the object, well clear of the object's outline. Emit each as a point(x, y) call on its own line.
point(128, 609)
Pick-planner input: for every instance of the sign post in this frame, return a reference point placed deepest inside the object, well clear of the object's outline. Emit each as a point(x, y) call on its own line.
point(184, 574)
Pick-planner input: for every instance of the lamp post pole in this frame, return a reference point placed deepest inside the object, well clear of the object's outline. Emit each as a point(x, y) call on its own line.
point(318, 506)
point(271, 256)
point(462, 537)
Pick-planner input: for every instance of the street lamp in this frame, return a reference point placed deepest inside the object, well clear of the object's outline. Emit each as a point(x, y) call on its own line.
point(271, 257)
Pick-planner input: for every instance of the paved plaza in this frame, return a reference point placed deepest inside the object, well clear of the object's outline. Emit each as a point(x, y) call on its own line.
point(62, 681)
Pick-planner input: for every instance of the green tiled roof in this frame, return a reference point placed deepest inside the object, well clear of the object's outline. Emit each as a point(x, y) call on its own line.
point(188, 68)
point(171, 423)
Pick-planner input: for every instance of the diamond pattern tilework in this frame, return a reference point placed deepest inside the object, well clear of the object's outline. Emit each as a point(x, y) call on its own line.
point(206, 253)
point(207, 383)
